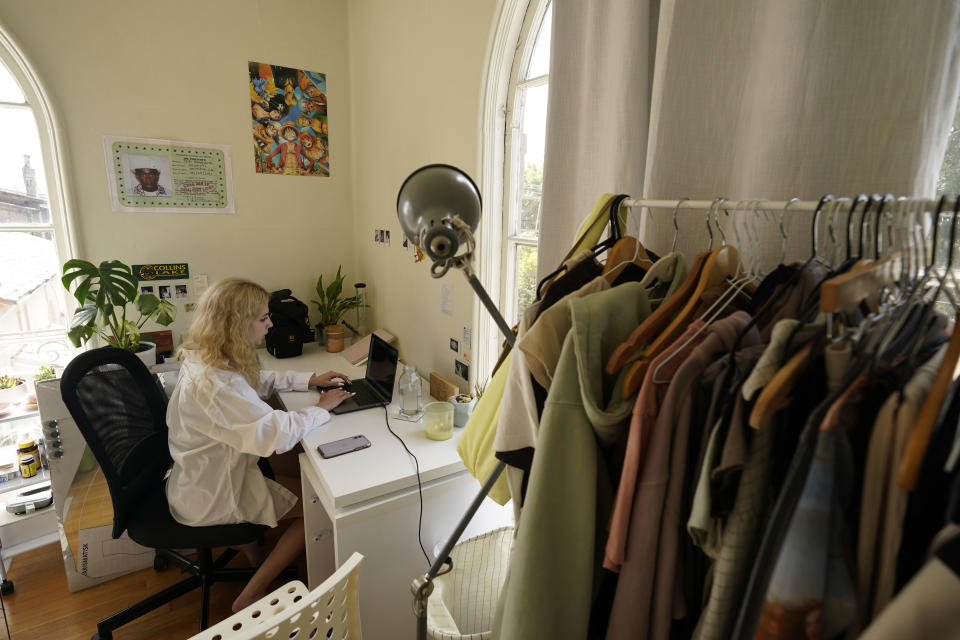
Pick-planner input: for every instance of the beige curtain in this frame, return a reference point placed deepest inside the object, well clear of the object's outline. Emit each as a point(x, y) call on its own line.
point(747, 99)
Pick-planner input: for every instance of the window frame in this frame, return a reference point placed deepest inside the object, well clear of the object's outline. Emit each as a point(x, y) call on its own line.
point(511, 49)
point(53, 152)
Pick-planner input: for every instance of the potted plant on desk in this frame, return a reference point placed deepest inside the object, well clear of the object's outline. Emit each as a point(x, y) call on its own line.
point(332, 305)
point(104, 292)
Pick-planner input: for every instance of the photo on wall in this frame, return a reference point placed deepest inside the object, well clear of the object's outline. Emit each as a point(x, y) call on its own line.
point(289, 119)
point(146, 175)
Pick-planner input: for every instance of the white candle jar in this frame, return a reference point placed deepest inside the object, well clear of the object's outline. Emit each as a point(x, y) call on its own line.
point(438, 420)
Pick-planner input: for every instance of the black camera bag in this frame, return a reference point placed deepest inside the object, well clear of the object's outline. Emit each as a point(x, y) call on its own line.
point(291, 325)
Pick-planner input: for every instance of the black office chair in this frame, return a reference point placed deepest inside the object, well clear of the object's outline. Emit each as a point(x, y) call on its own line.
point(120, 408)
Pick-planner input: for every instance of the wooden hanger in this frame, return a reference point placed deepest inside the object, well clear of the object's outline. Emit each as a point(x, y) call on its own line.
point(627, 250)
point(652, 324)
point(862, 282)
point(922, 430)
point(776, 394)
point(719, 265)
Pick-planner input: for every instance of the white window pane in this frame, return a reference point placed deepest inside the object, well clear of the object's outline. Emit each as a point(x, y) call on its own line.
point(31, 294)
point(533, 104)
point(540, 60)
point(949, 180)
point(9, 89)
point(526, 273)
point(21, 164)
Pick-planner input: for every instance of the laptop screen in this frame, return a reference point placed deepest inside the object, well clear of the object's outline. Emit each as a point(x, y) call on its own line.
point(381, 366)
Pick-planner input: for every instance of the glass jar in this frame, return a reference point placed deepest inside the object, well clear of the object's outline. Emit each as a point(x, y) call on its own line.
point(439, 420)
point(410, 392)
point(27, 446)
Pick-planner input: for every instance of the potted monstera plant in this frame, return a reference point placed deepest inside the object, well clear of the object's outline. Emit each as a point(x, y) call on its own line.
point(332, 305)
point(112, 306)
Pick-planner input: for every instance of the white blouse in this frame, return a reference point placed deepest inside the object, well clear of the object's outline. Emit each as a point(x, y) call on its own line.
point(219, 426)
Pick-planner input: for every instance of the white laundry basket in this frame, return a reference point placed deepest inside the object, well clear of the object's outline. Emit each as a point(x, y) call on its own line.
point(463, 601)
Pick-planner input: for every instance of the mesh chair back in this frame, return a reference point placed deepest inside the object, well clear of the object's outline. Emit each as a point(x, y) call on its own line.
point(120, 408)
point(332, 610)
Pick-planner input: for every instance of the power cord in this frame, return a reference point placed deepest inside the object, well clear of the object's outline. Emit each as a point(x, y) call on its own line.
point(386, 419)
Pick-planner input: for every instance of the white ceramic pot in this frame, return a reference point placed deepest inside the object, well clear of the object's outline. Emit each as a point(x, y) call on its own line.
point(13, 394)
point(147, 353)
point(461, 410)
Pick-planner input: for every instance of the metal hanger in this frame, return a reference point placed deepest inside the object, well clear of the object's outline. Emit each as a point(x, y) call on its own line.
point(718, 305)
point(676, 227)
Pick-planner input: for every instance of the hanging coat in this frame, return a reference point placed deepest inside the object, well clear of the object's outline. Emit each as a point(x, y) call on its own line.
point(553, 569)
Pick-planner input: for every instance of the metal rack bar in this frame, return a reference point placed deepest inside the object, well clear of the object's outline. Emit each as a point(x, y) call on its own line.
point(766, 205)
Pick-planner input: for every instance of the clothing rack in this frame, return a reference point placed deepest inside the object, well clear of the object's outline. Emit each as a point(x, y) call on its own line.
point(763, 205)
point(422, 586)
point(768, 205)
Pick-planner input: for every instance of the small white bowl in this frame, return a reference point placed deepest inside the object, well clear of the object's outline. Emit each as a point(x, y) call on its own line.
point(13, 394)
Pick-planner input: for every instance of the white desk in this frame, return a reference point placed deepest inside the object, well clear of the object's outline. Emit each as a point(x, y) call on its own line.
point(368, 501)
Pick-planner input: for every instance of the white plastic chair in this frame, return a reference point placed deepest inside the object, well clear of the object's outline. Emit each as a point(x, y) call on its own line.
point(332, 611)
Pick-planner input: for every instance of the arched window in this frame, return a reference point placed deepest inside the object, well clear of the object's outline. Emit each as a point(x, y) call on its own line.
point(515, 118)
point(35, 234)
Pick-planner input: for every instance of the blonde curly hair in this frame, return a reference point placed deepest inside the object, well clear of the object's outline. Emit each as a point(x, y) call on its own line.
point(220, 334)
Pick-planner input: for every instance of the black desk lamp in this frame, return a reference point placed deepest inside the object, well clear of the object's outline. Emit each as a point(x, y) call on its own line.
point(439, 209)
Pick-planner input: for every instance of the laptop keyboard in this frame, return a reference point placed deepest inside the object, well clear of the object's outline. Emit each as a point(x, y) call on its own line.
point(365, 395)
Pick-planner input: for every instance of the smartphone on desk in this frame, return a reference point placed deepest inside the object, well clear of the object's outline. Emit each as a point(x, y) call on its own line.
point(342, 446)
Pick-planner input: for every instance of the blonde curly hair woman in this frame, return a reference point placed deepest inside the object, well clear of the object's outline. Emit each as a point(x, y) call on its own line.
point(220, 427)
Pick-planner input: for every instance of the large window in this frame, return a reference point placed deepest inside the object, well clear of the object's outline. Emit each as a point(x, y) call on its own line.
point(523, 162)
point(34, 235)
point(515, 116)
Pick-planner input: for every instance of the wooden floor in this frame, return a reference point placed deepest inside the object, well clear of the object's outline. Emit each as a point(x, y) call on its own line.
point(43, 607)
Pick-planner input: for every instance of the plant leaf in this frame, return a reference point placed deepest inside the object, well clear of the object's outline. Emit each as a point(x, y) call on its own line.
point(83, 270)
point(80, 334)
point(130, 339)
point(147, 303)
point(166, 313)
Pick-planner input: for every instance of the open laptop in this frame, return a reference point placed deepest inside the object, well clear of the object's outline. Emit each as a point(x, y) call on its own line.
point(375, 389)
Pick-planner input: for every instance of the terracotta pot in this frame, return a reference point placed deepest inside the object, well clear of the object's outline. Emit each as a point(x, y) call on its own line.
point(333, 335)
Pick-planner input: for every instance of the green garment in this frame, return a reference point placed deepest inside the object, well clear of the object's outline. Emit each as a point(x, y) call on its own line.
point(561, 534)
point(476, 442)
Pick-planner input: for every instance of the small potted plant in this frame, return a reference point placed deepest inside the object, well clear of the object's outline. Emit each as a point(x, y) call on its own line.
point(104, 292)
point(12, 389)
point(332, 305)
point(463, 404)
point(45, 372)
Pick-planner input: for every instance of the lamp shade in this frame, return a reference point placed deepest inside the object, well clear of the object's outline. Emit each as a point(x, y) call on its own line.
point(429, 199)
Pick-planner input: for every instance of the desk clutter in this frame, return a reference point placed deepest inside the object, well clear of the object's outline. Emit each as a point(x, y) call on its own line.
point(441, 388)
point(356, 353)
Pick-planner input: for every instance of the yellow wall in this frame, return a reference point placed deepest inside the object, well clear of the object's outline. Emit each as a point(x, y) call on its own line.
point(417, 68)
point(403, 85)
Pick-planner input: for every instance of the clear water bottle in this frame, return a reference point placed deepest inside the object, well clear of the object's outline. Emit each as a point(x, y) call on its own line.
point(410, 402)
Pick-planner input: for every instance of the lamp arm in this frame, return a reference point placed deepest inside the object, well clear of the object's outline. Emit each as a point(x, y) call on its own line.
point(508, 333)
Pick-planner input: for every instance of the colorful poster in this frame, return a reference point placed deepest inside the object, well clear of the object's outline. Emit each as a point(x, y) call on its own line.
point(289, 115)
point(146, 175)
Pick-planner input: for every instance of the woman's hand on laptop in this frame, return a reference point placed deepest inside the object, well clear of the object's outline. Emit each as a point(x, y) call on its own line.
point(328, 379)
point(332, 398)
